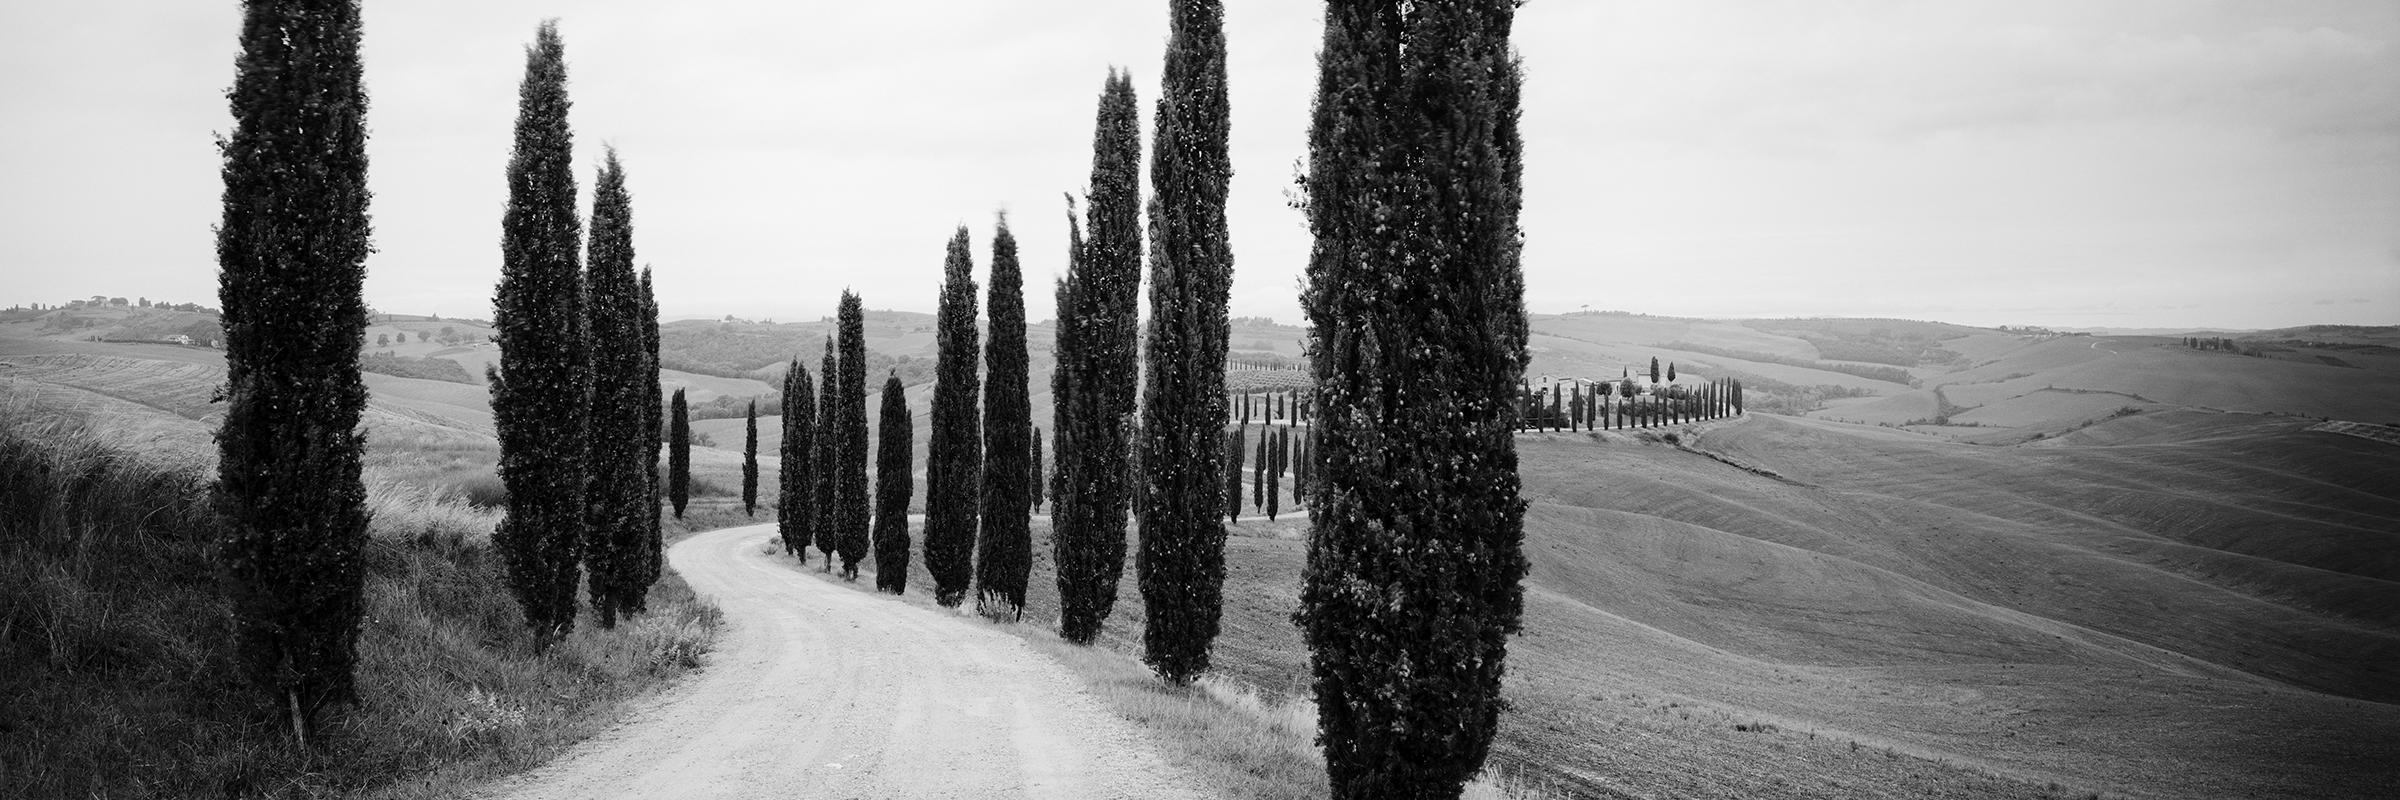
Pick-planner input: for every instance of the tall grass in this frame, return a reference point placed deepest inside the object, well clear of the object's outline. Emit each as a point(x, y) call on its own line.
point(118, 677)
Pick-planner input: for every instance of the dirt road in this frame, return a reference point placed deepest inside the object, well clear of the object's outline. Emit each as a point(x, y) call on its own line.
point(818, 691)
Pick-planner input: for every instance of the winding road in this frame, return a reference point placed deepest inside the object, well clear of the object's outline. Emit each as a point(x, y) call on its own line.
point(819, 691)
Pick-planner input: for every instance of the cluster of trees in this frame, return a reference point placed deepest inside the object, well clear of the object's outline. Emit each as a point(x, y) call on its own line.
point(575, 394)
point(1601, 406)
point(574, 398)
point(2219, 343)
point(1281, 451)
point(1409, 471)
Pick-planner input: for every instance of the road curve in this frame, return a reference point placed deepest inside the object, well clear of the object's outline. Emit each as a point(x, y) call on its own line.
point(818, 691)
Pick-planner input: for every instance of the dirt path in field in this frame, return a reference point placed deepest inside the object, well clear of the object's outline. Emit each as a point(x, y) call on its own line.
point(818, 691)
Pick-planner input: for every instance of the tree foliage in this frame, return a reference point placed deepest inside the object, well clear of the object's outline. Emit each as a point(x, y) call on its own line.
point(655, 560)
point(616, 518)
point(954, 450)
point(679, 453)
point(541, 394)
point(850, 512)
point(794, 513)
point(750, 460)
point(1004, 542)
point(895, 458)
point(291, 255)
point(826, 448)
point(1181, 563)
point(1415, 300)
point(1092, 387)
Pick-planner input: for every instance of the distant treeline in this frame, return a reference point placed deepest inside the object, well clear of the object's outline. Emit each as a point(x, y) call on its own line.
point(1779, 397)
point(1888, 374)
point(431, 369)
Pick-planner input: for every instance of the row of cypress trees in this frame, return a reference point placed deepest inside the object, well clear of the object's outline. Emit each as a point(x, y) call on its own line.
point(574, 398)
point(1563, 408)
point(1416, 304)
point(982, 470)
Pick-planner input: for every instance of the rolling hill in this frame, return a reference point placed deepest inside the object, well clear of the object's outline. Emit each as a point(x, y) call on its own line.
point(2040, 566)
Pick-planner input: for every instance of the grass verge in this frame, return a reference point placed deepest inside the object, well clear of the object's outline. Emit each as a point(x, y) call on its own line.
point(117, 677)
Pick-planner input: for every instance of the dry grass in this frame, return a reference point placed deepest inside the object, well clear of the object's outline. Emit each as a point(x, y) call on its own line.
point(119, 675)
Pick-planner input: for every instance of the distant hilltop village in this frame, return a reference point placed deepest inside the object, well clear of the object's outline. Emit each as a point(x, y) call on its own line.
point(100, 318)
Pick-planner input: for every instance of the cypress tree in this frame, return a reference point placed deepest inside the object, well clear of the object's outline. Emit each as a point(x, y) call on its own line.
point(1182, 557)
point(954, 450)
point(1654, 370)
point(1258, 479)
point(1575, 408)
point(1034, 485)
point(617, 524)
point(1274, 480)
point(895, 457)
point(679, 453)
point(1236, 446)
point(1092, 388)
point(654, 555)
point(541, 393)
point(827, 450)
point(794, 517)
point(1670, 372)
point(850, 513)
point(291, 254)
point(1004, 543)
point(750, 461)
point(1415, 299)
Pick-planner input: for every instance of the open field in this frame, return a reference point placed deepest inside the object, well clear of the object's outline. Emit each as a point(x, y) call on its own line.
point(2121, 566)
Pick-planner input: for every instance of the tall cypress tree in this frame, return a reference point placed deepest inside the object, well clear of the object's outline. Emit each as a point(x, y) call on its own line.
point(828, 450)
point(793, 511)
point(617, 524)
point(750, 461)
point(1415, 301)
point(1235, 448)
point(1258, 477)
point(1182, 559)
point(850, 512)
point(291, 254)
point(1034, 485)
point(541, 393)
point(679, 453)
point(895, 458)
point(1004, 542)
point(954, 450)
point(1274, 481)
point(655, 558)
point(1092, 387)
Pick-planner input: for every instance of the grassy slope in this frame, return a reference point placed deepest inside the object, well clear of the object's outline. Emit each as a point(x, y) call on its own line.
point(119, 674)
point(2151, 624)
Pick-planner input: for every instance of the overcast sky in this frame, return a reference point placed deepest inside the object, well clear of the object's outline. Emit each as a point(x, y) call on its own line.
point(2073, 163)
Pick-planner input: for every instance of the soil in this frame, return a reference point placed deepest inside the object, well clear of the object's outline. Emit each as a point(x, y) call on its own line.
point(819, 692)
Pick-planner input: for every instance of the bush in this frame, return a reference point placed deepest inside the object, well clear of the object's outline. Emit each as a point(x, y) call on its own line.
point(482, 491)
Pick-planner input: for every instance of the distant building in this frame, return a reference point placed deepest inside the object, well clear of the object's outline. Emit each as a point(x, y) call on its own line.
point(180, 339)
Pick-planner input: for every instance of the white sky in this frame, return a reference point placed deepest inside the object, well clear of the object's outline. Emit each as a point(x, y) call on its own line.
point(2077, 163)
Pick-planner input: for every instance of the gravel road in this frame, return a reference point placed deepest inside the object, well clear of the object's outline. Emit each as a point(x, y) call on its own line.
point(819, 691)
